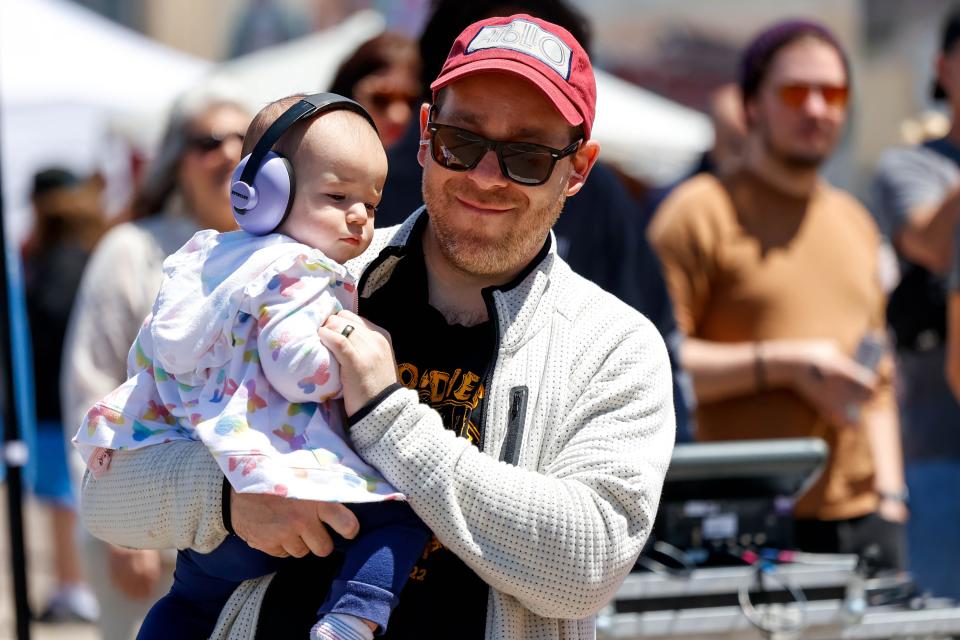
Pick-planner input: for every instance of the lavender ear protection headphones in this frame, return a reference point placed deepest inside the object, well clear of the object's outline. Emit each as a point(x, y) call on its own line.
point(263, 183)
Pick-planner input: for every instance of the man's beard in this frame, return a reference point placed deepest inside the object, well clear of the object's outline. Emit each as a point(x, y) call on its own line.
point(793, 160)
point(478, 254)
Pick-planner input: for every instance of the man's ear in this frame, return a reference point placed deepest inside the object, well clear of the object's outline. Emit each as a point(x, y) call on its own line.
point(582, 162)
point(424, 136)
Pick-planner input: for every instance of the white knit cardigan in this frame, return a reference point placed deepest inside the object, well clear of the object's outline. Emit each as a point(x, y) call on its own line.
point(552, 513)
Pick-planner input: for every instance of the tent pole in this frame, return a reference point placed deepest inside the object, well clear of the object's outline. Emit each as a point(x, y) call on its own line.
point(14, 450)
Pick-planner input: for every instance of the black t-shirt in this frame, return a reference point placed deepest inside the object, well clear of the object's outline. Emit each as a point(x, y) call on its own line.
point(447, 365)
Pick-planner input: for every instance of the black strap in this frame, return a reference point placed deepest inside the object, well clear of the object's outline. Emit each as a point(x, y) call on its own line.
point(309, 106)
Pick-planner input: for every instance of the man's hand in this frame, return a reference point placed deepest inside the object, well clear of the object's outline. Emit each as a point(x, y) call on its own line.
point(367, 364)
point(134, 572)
point(285, 527)
point(893, 510)
point(834, 384)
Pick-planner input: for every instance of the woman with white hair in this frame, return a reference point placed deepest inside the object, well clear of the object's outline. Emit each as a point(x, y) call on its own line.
point(186, 188)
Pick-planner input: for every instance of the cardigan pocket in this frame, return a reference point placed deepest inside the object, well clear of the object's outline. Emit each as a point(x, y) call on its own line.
point(515, 420)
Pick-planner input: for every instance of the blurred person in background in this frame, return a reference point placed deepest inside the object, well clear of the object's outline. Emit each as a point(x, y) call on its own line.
point(68, 222)
point(599, 231)
point(774, 277)
point(917, 205)
point(186, 188)
point(383, 75)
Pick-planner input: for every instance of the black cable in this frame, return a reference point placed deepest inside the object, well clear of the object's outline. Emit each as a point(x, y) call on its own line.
point(684, 567)
point(762, 621)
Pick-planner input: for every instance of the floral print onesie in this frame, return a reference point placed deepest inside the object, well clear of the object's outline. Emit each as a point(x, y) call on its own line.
point(230, 356)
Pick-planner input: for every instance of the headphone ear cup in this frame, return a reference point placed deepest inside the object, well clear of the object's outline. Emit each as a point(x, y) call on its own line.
point(270, 195)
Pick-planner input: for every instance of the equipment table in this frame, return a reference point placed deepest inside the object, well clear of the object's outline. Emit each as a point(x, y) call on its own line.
point(704, 605)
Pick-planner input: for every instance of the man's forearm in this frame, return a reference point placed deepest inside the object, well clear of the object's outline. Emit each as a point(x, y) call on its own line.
point(883, 432)
point(882, 429)
point(158, 497)
point(721, 371)
point(927, 237)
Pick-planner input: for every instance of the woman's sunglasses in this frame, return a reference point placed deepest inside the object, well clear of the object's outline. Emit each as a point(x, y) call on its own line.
point(796, 95)
point(213, 141)
point(523, 162)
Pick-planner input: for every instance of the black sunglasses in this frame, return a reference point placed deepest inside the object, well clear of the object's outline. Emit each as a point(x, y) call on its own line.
point(209, 142)
point(525, 163)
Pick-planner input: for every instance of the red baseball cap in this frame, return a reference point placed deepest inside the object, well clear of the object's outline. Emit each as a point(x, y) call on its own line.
point(537, 50)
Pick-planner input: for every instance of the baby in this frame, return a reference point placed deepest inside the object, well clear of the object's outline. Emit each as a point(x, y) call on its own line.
point(230, 356)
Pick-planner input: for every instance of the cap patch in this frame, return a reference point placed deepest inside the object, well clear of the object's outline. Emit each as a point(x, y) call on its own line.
point(527, 38)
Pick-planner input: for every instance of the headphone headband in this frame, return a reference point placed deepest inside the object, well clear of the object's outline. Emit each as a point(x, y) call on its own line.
point(308, 106)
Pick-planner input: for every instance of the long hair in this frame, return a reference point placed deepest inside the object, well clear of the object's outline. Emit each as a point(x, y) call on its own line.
point(381, 52)
point(160, 180)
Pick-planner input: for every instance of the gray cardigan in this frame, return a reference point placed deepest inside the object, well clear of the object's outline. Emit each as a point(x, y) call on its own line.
point(551, 514)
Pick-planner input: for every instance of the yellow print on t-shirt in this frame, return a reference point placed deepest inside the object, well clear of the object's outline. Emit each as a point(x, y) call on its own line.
point(454, 395)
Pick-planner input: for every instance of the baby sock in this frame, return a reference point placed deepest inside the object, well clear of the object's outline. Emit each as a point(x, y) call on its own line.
point(339, 626)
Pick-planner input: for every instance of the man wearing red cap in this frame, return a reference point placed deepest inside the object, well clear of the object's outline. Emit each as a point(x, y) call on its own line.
point(526, 414)
point(774, 278)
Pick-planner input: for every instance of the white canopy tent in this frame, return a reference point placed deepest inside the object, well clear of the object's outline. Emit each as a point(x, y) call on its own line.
point(304, 65)
point(57, 51)
point(75, 86)
point(65, 74)
point(645, 135)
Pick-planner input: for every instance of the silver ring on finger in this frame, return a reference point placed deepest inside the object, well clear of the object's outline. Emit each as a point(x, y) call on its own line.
point(347, 330)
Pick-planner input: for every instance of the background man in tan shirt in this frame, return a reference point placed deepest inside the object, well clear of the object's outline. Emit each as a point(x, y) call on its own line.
point(773, 275)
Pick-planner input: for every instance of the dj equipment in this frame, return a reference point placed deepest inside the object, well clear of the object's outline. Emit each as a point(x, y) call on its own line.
point(263, 183)
point(725, 496)
point(814, 597)
point(720, 563)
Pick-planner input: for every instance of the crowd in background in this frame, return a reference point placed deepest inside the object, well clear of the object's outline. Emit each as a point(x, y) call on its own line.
point(769, 286)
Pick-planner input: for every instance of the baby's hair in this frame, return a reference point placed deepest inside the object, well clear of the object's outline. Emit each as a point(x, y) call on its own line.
point(289, 142)
point(264, 118)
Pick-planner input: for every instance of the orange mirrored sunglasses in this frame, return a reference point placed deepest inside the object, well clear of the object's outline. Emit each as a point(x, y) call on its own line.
point(795, 95)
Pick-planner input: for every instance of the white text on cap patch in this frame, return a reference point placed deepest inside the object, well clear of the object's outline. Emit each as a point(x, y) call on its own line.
point(528, 38)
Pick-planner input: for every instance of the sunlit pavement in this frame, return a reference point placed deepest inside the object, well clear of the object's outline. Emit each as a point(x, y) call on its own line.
point(39, 577)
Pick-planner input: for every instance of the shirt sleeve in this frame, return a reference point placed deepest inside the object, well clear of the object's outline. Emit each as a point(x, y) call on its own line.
point(290, 306)
point(908, 178)
point(678, 233)
point(157, 498)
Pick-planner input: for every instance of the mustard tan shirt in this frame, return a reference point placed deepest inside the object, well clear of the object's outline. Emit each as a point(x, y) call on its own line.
point(746, 262)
